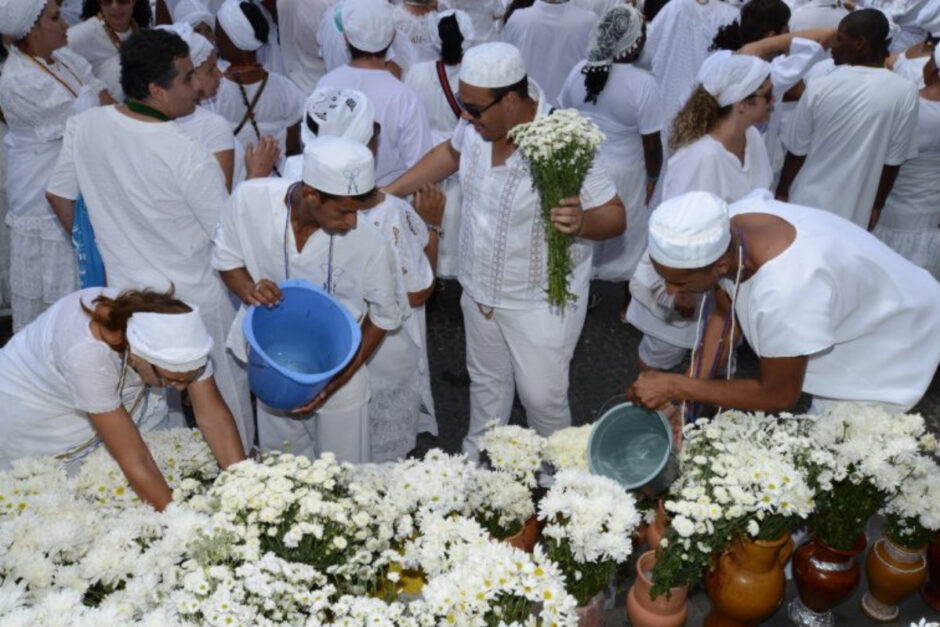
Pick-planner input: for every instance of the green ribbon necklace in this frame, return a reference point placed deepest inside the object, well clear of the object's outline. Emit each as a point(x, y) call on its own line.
point(143, 109)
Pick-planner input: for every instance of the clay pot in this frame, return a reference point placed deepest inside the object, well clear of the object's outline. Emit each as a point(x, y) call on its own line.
point(931, 591)
point(824, 577)
point(663, 611)
point(592, 614)
point(747, 583)
point(894, 573)
point(656, 530)
point(525, 539)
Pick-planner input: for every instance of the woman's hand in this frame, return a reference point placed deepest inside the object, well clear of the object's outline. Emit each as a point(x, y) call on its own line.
point(260, 160)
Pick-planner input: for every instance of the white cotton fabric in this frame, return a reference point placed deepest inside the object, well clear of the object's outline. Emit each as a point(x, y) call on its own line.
point(912, 69)
point(4, 229)
point(405, 136)
point(18, 16)
point(667, 335)
point(199, 47)
point(928, 17)
point(339, 112)
point(193, 12)
point(338, 166)
point(464, 25)
point(599, 7)
point(494, 64)
point(839, 296)
point(154, 197)
point(90, 40)
point(36, 106)
point(849, 124)
point(177, 342)
point(552, 39)
point(910, 221)
point(298, 22)
point(628, 108)
point(421, 31)
point(210, 129)
point(236, 25)
point(54, 373)
point(502, 249)
point(904, 14)
point(731, 78)
point(817, 14)
point(368, 25)
point(484, 14)
point(335, 52)
point(689, 231)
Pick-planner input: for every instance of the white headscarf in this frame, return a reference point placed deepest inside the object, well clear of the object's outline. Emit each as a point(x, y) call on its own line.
point(929, 17)
point(176, 342)
point(731, 78)
point(464, 25)
point(199, 47)
point(193, 12)
point(689, 231)
point(615, 34)
point(236, 25)
point(17, 17)
point(339, 112)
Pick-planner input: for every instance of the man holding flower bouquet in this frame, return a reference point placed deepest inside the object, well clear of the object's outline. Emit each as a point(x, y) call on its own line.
point(524, 258)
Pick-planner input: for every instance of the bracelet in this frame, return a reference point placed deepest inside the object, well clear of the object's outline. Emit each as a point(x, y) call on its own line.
point(433, 228)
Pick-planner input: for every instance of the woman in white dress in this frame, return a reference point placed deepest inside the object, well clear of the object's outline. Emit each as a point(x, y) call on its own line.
point(98, 38)
point(85, 372)
point(417, 20)
point(910, 220)
point(435, 82)
point(42, 85)
point(623, 100)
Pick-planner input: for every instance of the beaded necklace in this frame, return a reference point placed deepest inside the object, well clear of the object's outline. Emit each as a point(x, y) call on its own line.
point(112, 34)
point(45, 68)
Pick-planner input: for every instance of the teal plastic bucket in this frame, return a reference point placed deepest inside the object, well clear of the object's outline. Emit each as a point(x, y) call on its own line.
point(299, 345)
point(633, 446)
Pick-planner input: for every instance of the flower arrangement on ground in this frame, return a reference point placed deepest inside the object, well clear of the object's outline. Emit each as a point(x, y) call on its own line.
point(913, 515)
point(559, 150)
point(566, 449)
point(515, 450)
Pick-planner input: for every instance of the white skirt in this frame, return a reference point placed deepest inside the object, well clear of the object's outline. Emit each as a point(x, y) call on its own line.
point(914, 237)
point(616, 259)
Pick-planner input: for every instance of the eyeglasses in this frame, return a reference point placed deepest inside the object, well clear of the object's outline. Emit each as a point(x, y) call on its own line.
point(474, 111)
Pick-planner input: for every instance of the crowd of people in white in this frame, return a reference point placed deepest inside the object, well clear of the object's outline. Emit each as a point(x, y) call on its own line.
point(769, 172)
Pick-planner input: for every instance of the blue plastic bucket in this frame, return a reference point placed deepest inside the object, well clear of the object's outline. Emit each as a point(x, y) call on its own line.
point(297, 347)
point(633, 446)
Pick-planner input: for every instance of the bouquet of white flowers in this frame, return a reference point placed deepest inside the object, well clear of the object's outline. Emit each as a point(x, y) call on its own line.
point(499, 502)
point(566, 449)
point(913, 516)
point(515, 450)
point(559, 150)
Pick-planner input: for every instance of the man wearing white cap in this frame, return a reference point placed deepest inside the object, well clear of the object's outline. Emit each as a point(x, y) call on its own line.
point(335, 52)
point(828, 309)
point(298, 22)
point(154, 195)
point(515, 341)
point(369, 29)
point(275, 229)
point(852, 129)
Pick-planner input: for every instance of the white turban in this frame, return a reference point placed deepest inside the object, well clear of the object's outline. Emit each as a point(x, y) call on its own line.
point(236, 25)
point(731, 78)
point(339, 112)
point(617, 32)
point(338, 166)
point(199, 47)
point(193, 12)
point(493, 64)
point(464, 25)
point(18, 16)
point(369, 25)
point(691, 230)
point(176, 342)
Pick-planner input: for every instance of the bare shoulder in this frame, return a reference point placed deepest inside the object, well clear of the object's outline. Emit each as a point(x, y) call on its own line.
point(765, 235)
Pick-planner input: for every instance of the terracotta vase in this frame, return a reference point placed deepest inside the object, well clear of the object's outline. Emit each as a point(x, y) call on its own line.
point(931, 591)
point(663, 611)
point(824, 577)
point(656, 530)
point(525, 539)
point(894, 573)
point(747, 583)
point(591, 614)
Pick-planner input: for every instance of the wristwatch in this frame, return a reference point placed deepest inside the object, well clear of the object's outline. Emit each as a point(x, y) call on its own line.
point(433, 228)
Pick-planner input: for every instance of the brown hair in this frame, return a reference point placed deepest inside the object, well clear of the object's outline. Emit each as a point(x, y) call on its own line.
point(700, 115)
point(129, 302)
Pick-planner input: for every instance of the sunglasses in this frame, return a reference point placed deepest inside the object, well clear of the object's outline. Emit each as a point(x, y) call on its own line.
point(474, 111)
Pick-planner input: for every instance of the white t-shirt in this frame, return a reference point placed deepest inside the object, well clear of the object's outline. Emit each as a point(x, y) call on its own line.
point(298, 22)
point(849, 124)
point(407, 233)
point(552, 39)
point(209, 129)
point(422, 78)
point(867, 318)
point(705, 165)
point(600, 7)
point(90, 40)
point(502, 250)
point(406, 135)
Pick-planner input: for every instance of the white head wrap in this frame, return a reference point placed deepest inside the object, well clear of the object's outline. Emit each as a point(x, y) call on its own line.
point(236, 25)
point(464, 25)
point(338, 166)
point(369, 25)
point(689, 231)
point(615, 34)
point(193, 12)
point(18, 16)
point(199, 47)
point(339, 112)
point(175, 342)
point(493, 64)
point(731, 78)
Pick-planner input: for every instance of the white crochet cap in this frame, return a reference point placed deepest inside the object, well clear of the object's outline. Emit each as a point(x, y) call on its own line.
point(731, 78)
point(199, 47)
point(193, 12)
point(339, 112)
point(18, 16)
point(338, 166)
point(493, 64)
point(369, 25)
point(176, 342)
point(236, 25)
point(689, 231)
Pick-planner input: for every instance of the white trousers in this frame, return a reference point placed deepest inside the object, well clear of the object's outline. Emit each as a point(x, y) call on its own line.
point(528, 351)
point(821, 405)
